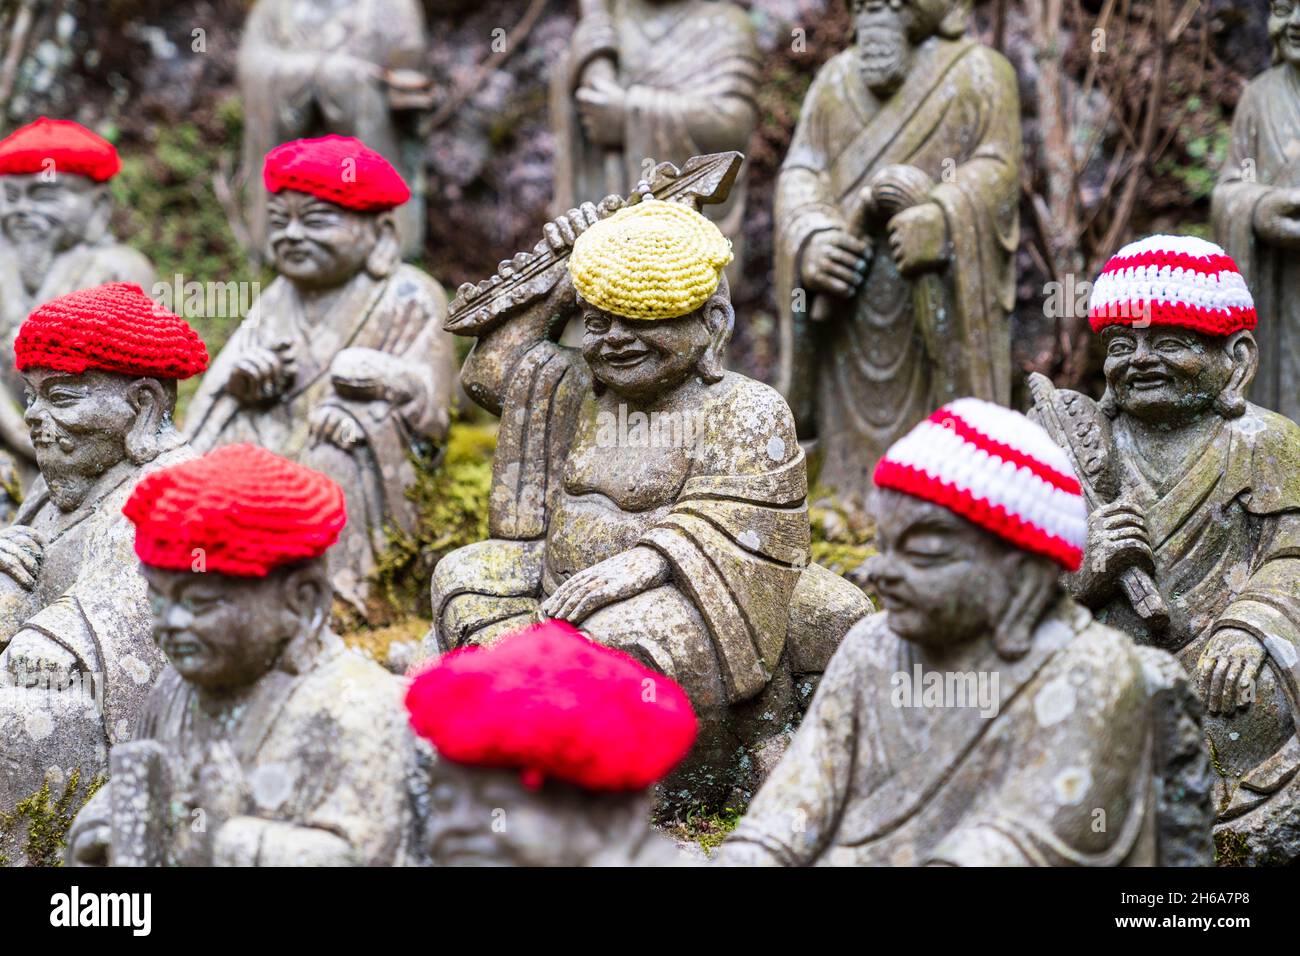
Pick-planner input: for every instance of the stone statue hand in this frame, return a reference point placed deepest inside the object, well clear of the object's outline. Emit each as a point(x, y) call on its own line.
point(1117, 540)
point(562, 231)
point(633, 571)
point(330, 423)
point(918, 238)
point(602, 109)
point(21, 552)
point(1228, 668)
point(262, 375)
point(33, 659)
point(1277, 217)
point(834, 261)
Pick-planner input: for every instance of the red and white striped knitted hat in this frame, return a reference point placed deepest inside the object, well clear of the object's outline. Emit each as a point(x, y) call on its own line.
point(1172, 280)
point(994, 467)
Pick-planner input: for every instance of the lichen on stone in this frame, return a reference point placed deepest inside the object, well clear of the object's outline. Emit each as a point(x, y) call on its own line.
point(45, 821)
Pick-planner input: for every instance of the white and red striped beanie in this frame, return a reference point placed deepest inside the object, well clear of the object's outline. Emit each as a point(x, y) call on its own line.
point(1172, 280)
point(994, 467)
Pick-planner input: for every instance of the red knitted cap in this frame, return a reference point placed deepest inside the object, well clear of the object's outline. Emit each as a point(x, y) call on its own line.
point(72, 147)
point(245, 510)
point(113, 327)
point(551, 703)
point(340, 169)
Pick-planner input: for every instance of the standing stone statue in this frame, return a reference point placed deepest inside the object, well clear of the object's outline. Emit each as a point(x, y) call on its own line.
point(639, 490)
point(54, 213)
point(1199, 491)
point(547, 747)
point(1256, 209)
point(896, 229)
point(342, 363)
point(351, 67)
point(650, 81)
point(100, 368)
point(985, 719)
point(265, 742)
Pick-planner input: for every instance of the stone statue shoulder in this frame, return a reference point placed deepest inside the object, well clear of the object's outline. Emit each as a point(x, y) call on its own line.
point(410, 281)
point(870, 646)
point(1273, 441)
point(118, 262)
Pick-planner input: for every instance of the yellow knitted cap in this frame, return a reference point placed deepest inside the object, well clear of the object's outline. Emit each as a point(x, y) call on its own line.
point(654, 260)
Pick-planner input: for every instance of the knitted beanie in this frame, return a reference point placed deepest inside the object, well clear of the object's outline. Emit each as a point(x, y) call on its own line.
point(552, 704)
point(238, 510)
point(339, 169)
point(113, 327)
point(654, 260)
point(1172, 280)
point(71, 147)
point(994, 467)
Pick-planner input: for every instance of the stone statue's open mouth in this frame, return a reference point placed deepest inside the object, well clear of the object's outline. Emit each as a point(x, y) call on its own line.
point(1148, 381)
point(626, 359)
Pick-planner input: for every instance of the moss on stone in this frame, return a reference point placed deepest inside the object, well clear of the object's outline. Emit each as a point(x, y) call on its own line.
point(836, 544)
point(378, 643)
point(1230, 848)
point(708, 830)
point(45, 822)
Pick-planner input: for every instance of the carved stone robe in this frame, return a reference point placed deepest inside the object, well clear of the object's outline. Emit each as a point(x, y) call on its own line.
point(691, 75)
point(885, 359)
point(90, 600)
point(400, 315)
point(867, 782)
point(1264, 155)
point(293, 88)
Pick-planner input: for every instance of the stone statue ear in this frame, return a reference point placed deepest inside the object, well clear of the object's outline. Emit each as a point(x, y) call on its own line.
point(1035, 587)
point(148, 397)
point(386, 256)
point(307, 598)
point(719, 316)
point(1244, 350)
point(954, 23)
point(101, 211)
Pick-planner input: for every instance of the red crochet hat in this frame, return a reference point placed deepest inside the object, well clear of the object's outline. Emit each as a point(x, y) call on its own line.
point(551, 703)
point(1172, 280)
point(114, 327)
point(246, 510)
point(340, 169)
point(72, 147)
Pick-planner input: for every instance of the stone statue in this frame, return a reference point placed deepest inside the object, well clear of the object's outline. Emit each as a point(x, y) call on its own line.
point(639, 490)
point(100, 368)
point(650, 81)
point(1256, 209)
point(985, 719)
point(547, 746)
point(1203, 501)
point(342, 363)
point(54, 213)
point(265, 742)
point(351, 67)
point(896, 228)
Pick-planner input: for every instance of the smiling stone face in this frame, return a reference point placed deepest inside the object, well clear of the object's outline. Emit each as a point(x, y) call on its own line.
point(318, 244)
point(1284, 29)
point(1164, 374)
point(642, 359)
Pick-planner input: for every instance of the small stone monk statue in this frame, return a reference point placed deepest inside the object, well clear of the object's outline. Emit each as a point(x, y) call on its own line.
point(984, 719)
point(54, 213)
point(265, 742)
point(342, 363)
point(1256, 209)
point(650, 81)
point(645, 493)
point(1208, 506)
point(312, 67)
point(896, 229)
point(547, 747)
point(100, 368)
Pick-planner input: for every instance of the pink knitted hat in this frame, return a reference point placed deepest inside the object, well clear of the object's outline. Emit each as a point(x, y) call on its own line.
point(1172, 280)
point(994, 467)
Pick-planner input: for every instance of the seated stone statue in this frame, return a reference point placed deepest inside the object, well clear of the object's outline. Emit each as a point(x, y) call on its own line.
point(342, 363)
point(265, 742)
point(547, 747)
point(643, 492)
point(54, 213)
point(310, 67)
point(1194, 534)
point(984, 719)
point(100, 368)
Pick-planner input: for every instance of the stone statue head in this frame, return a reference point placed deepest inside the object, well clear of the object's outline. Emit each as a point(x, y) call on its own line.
point(977, 512)
point(641, 359)
point(480, 816)
point(887, 31)
point(318, 244)
point(83, 424)
point(223, 632)
point(1284, 31)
